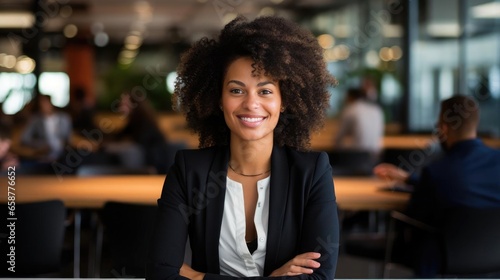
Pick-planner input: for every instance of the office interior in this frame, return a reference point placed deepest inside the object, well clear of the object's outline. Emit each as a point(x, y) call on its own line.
point(87, 53)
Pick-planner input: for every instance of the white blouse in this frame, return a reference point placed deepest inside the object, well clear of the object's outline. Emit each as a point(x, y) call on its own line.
point(234, 257)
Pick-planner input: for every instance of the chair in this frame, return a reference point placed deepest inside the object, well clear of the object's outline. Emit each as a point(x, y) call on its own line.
point(127, 229)
point(351, 162)
point(39, 237)
point(89, 170)
point(468, 239)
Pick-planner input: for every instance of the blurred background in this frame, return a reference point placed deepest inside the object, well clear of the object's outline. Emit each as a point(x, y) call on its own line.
point(108, 69)
point(411, 53)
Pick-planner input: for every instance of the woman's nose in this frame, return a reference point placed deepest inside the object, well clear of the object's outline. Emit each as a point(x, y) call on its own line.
point(252, 100)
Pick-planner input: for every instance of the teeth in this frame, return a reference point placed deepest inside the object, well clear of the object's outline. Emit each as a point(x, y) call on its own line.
point(252, 119)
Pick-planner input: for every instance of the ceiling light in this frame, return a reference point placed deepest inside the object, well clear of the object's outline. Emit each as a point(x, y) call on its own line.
point(341, 52)
point(128, 54)
point(101, 39)
point(488, 10)
point(386, 54)
point(397, 53)
point(326, 41)
point(25, 65)
point(342, 31)
point(2, 57)
point(16, 20)
point(392, 31)
point(371, 58)
point(443, 29)
point(133, 39)
point(70, 31)
point(9, 61)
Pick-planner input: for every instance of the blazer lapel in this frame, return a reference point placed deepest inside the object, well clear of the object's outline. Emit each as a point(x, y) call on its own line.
point(215, 193)
point(278, 198)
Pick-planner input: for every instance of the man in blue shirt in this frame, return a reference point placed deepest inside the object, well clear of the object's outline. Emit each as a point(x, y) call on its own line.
point(467, 175)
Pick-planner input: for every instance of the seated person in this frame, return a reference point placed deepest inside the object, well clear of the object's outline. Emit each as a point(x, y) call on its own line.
point(254, 202)
point(363, 121)
point(7, 158)
point(47, 132)
point(140, 142)
point(467, 175)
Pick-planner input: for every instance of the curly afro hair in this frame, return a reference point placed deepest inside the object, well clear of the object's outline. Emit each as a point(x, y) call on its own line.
point(279, 49)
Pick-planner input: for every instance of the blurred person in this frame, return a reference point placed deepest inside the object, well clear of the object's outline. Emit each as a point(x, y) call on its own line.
point(363, 122)
point(253, 200)
point(368, 84)
point(7, 158)
point(82, 112)
point(48, 131)
point(467, 175)
point(138, 143)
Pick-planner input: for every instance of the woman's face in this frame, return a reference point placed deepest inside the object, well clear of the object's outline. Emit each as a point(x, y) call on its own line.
point(251, 104)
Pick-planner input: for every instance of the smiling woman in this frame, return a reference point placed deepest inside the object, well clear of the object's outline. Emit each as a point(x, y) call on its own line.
point(251, 104)
point(253, 201)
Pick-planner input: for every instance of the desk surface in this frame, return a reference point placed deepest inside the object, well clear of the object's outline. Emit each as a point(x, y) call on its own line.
point(92, 192)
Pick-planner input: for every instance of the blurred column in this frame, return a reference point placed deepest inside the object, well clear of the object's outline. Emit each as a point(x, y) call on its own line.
point(463, 20)
point(80, 62)
point(31, 38)
point(411, 38)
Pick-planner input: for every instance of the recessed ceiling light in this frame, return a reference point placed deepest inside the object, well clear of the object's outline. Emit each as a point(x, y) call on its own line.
point(16, 20)
point(488, 10)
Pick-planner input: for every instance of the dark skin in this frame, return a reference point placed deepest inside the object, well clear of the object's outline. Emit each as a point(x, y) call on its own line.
point(246, 114)
point(251, 147)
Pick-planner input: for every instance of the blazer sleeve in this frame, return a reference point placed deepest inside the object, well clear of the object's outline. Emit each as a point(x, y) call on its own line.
point(320, 227)
point(166, 254)
point(319, 232)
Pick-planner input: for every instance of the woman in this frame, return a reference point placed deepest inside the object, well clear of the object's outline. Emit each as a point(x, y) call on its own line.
point(253, 202)
point(139, 142)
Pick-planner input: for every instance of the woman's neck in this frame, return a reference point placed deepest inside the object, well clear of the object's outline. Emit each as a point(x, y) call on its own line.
point(253, 157)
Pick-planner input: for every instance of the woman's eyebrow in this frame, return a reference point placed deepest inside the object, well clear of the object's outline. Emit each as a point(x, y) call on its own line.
point(265, 83)
point(236, 82)
point(243, 84)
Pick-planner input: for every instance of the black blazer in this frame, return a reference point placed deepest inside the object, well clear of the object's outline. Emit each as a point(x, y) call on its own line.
point(302, 213)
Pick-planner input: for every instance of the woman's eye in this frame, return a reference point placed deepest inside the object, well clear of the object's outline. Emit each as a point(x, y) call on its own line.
point(266, 91)
point(236, 90)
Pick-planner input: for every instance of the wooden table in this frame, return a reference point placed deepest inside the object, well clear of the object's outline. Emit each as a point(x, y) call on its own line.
point(93, 192)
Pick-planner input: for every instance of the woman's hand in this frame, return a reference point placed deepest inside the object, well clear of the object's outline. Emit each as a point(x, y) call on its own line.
point(190, 273)
point(301, 264)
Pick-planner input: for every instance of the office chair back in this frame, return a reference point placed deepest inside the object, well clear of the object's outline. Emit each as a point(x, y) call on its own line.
point(351, 162)
point(39, 237)
point(471, 241)
point(128, 229)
